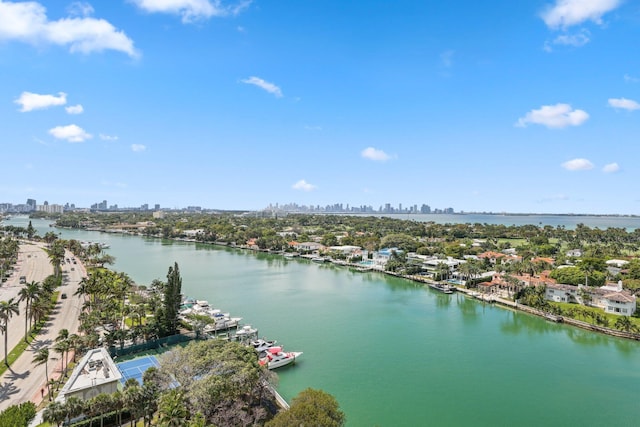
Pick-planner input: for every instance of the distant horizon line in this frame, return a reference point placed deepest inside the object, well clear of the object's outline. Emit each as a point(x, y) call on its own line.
point(373, 213)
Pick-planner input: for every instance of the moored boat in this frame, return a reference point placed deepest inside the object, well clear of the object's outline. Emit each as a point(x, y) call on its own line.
point(277, 358)
point(261, 345)
point(440, 287)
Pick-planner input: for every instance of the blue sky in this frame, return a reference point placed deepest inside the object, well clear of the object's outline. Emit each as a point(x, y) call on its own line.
point(516, 106)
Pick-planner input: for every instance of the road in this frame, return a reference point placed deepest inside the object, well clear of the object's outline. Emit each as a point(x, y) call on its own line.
point(24, 381)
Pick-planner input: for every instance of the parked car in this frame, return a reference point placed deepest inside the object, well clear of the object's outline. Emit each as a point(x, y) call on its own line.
point(63, 296)
point(23, 280)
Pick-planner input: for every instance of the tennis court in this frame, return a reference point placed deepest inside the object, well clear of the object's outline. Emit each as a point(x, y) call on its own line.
point(135, 368)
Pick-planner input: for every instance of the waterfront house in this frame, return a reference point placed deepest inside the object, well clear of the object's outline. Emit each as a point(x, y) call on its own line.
point(383, 255)
point(307, 247)
point(347, 251)
point(558, 292)
point(611, 298)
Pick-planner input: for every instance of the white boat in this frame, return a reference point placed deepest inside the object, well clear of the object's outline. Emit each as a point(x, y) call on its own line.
point(262, 345)
point(291, 254)
point(441, 288)
point(277, 358)
point(318, 259)
point(247, 333)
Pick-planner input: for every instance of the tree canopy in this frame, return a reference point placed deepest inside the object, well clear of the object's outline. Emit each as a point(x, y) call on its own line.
point(310, 408)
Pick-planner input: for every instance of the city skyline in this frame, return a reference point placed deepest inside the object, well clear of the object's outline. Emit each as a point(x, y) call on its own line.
point(527, 107)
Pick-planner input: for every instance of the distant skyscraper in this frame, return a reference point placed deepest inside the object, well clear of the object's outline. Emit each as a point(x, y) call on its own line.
point(157, 206)
point(31, 203)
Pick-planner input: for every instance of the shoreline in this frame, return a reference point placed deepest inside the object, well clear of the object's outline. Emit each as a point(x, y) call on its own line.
point(499, 301)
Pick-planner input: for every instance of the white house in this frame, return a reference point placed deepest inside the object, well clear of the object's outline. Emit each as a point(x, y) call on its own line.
point(611, 298)
point(561, 293)
point(94, 374)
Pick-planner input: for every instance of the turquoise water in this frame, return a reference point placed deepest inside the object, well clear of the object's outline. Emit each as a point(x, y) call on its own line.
point(396, 354)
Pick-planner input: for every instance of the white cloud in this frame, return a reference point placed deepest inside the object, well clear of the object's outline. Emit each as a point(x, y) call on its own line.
point(631, 79)
point(71, 133)
point(611, 168)
point(576, 40)
point(624, 104)
point(567, 13)
point(27, 22)
point(138, 147)
point(554, 116)
point(192, 10)
point(447, 58)
point(32, 101)
point(578, 165)
point(74, 109)
point(375, 154)
point(108, 137)
point(269, 87)
point(303, 185)
point(79, 8)
point(315, 128)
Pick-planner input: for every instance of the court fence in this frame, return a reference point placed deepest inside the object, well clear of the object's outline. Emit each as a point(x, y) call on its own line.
point(152, 345)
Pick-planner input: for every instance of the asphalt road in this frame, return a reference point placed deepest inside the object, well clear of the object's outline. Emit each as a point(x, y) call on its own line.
point(24, 381)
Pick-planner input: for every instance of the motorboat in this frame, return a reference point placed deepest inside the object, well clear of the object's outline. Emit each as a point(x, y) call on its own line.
point(319, 259)
point(246, 333)
point(277, 358)
point(440, 287)
point(261, 345)
point(291, 254)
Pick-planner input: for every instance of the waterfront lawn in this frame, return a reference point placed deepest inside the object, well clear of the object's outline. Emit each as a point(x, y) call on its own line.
point(568, 307)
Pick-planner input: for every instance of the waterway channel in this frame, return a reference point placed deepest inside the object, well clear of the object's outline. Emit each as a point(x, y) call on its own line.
point(394, 353)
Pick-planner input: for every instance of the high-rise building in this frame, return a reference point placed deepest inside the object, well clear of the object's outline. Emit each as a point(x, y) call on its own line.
point(32, 204)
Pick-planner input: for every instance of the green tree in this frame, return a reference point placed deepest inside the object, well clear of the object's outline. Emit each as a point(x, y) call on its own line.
point(172, 300)
point(221, 379)
point(18, 415)
point(30, 231)
point(54, 413)
point(102, 404)
point(73, 407)
point(42, 358)
point(310, 408)
point(624, 323)
point(172, 411)
point(7, 310)
point(29, 293)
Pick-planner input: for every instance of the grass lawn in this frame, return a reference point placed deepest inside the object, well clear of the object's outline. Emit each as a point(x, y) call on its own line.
point(565, 306)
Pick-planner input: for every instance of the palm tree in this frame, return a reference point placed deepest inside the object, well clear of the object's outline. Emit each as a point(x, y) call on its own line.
point(62, 347)
point(42, 358)
point(28, 294)
point(172, 411)
point(132, 399)
point(73, 407)
point(103, 404)
point(75, 343)
point(7, 310)
point(623, 323)
point(54, 413)
point(443, 270)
